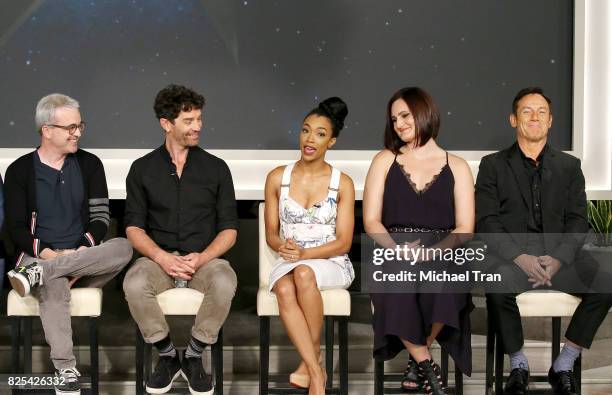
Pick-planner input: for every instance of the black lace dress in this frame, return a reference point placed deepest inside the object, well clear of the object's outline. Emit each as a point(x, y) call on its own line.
point(410, 316)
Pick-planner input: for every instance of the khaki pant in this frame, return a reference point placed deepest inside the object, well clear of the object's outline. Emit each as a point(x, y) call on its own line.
point(96, 266)
point(146, 279)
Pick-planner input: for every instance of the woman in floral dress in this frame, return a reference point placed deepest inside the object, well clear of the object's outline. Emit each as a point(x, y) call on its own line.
point(309, 215)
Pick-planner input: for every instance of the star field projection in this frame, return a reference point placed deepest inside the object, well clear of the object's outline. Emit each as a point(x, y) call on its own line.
point(262, 65)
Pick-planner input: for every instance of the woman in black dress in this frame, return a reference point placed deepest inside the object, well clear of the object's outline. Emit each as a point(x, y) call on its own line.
point(415, 186)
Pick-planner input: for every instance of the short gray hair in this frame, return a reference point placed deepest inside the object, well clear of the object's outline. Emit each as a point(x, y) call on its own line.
point(45, 109)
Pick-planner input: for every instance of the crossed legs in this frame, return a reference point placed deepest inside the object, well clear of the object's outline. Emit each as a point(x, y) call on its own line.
point(301, 311)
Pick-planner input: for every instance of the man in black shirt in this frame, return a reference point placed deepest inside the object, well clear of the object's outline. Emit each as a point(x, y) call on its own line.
point(532, 197)
point(181, 216)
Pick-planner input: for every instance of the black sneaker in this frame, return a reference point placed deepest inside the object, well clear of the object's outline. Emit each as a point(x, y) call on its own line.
point(166, 371)
point(199, 382)
point(24, 278)
point(67, 382)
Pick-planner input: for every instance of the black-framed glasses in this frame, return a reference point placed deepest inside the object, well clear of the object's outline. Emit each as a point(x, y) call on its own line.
point(72, 128)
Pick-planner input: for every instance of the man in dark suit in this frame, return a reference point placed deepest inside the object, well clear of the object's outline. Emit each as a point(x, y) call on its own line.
point(532, 196)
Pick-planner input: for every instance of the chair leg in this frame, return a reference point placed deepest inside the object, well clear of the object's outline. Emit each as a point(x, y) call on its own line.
point(578, 374)
point(264, 354)
point(93, 354)
point(148, 361)
point(15, 341)
point(379, 377)
point(27, 344)
point(444, 366)
point(217, 362)
point(499, 367)
point(343, 354)
point(490, 357)
point(556, 338)
point(329, 350)
point(458, 381)
point(139, 362)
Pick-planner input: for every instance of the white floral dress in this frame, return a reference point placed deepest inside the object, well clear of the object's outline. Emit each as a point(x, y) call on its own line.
point(311, 228)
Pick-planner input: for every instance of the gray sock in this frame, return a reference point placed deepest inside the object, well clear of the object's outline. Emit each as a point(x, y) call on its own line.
point(565, 360)
point(165, 347)
point(195, 348)
point(518, 360)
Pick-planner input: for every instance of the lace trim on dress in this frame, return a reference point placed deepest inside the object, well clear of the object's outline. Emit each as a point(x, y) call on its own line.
point(412, 183)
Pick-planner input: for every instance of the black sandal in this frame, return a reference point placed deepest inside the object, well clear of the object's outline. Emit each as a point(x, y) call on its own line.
point(429, 371)
point(411, 382)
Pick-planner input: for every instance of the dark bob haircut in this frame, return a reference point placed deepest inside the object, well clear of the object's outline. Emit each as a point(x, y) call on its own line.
point(425, 114)
point(532, 90)
point(334, 109)
point(173, 99)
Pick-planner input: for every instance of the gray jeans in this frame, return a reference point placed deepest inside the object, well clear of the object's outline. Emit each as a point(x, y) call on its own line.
point(146, 279)
point(96, 265)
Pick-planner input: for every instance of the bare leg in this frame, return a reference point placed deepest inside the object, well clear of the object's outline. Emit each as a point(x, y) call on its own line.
point(309, 299)
point(297, 328)
point(436, 327)
point(419, 352)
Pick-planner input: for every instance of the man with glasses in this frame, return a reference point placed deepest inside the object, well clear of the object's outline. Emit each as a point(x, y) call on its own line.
point(57, 215)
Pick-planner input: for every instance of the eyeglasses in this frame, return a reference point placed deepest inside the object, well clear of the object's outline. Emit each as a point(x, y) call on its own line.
point(71, 129)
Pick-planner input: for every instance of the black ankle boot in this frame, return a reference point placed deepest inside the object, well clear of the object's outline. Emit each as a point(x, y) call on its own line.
point(431, 377)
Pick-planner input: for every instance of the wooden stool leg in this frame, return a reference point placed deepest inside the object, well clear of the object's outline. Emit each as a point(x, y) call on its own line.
point(27, 344)
point(217, 362)
point(148, 361)
point(458, 381)
point(444, 366)
point(343, 355)
point(379, 377)
point(93, 354)
point(556, 338)
point(329, 350)
point(578, 374)
point(15, 341)
point(264, 354)
point(139, 362)
point(490, 357)
point(499, 368)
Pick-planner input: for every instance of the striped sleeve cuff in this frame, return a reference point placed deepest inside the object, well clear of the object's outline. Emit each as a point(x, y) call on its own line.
point(90, 239)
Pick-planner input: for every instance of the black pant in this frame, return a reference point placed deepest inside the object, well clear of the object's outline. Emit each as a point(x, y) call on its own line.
point(586, 319)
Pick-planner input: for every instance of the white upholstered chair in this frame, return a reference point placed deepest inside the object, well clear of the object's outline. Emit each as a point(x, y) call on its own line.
point(336, 307)
point(84, 302)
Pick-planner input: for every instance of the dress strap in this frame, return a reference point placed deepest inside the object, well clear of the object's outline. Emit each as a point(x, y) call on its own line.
point(334, 183)
point(286, 181)
point(447, 157)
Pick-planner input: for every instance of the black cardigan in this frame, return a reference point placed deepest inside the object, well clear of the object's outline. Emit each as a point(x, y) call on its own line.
point(21, 210)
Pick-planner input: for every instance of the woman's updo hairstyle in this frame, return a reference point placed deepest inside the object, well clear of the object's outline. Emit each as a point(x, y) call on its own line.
point(335, 110)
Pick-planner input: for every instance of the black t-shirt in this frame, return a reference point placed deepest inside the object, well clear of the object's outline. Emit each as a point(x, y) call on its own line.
point(59, 199)
point(181, 214)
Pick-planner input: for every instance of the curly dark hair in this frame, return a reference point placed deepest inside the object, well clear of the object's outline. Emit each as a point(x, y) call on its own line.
point(173, 99)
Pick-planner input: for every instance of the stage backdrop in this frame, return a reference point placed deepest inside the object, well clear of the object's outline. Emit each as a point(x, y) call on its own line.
point(263, 64)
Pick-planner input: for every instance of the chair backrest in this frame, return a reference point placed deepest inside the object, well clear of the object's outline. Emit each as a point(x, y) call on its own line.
point(267, 257)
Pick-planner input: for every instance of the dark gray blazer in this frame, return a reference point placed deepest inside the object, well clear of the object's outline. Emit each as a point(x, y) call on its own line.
point(503, 200)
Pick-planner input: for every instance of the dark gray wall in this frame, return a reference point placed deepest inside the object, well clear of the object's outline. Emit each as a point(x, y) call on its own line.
point(263, 64)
